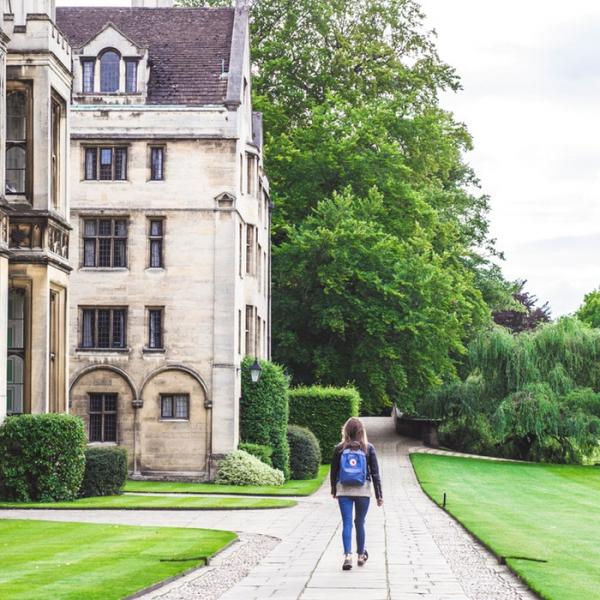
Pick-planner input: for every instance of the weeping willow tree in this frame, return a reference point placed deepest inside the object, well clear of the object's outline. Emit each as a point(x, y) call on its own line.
point(533, 396)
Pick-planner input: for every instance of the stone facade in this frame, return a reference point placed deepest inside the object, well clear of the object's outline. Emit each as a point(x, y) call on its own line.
point(171, 228)
point(35, 91)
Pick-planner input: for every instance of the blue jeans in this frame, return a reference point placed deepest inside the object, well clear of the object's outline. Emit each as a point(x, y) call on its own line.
point(361, 506)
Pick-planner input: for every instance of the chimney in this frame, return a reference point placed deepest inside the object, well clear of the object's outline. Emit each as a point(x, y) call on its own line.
point(152, 3)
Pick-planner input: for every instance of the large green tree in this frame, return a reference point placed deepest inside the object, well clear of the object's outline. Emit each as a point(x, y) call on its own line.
point(349, 90)
point(589, 311)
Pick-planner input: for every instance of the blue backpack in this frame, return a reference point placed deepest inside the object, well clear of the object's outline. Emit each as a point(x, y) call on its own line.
point(353, 467)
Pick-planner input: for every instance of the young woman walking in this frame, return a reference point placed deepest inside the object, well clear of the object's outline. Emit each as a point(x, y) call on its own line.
point(354, 469)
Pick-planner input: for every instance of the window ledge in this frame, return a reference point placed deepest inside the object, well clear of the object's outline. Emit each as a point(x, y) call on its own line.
point(153, 350)
point(103, 350)
point(102, 444)
point(155, 269)
point(105, 269)
point(105, 181)
point(163, 420)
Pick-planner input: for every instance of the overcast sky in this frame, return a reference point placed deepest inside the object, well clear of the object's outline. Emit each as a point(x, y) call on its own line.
point(531, 99)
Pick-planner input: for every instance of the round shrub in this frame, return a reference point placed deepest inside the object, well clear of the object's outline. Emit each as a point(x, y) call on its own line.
point(264, 411)
point(105, 472)
point(305, 453)
point(263, 453)
point(241, 468)
point(41, 457)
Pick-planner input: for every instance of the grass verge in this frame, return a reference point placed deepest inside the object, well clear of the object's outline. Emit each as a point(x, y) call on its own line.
point(147, 502)
point(289, 488)
point(543, 519)
point(80, 561)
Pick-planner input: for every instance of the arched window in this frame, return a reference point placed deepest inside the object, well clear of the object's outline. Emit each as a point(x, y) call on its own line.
point(16, 141)
point(110, 64)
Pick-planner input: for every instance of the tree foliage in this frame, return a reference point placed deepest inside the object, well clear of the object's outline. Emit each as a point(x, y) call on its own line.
point(363, 160)
point(589, 311)
point(525, 315)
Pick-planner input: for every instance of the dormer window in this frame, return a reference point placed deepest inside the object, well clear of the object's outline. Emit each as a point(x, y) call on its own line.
point(130, 76)
point(109, 72)
point(88, 67)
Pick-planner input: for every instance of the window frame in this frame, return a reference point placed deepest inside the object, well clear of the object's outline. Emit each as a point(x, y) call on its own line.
point(100, 58)
point(172, 397)
point(25, 87)
point(156, 239)
point(97, 237)
point(151, 149)
point(97, 168)
point(250, 249)
point(95, 329)
point(135, 62)
point(160, 310)
point(87, 60)
point(103, 412)
point(57, 115)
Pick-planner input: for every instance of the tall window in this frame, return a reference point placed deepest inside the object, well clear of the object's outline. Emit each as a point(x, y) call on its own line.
point(239, 331)
point(249, 326)
point(155, 328)
point(88, 67)
point(109, 72)
point(259, 266)
point(156, 244)
point(55, 126)
point(103, 328)
point(16, 351)
point(131, 76)
point(241, 249)
point(174, 406)
point(250, 249)
point(251, 174)
point(103, 417)
point(105, 243)
point(157, 163)
point(106, 163)
point(17, 132)
point(258, 330)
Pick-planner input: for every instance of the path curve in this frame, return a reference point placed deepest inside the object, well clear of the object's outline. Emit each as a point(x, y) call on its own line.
point(416, 550)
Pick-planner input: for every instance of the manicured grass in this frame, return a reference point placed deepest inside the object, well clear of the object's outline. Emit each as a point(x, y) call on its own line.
point(545, 519)
point(289, 488)
point(80, 561)
point(147, 502)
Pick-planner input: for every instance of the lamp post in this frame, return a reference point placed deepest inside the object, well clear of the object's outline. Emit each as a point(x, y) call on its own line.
point(255, 371)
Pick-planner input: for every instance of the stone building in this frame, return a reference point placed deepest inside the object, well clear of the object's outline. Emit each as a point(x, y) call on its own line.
point(171, 225)
point(35, 91)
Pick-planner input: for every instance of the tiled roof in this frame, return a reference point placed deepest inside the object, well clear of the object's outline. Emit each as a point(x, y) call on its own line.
point(186, 46)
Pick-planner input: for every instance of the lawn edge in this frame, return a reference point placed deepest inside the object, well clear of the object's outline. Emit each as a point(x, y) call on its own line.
point(159, 584)
point(236, 494)
point(501, 560)
point(147, 508)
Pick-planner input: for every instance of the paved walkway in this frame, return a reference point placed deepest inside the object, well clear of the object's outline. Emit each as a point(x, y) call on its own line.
point(416, 550)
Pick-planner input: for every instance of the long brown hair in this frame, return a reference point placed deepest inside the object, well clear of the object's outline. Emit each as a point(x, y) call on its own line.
point(354, 434)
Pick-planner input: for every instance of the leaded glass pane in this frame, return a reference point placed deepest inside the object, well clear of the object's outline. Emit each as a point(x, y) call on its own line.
point(106, 155)
point(155, 227)
point(105, 227)
point(89, 227)
point(91, 167)
point(118, 329)
point(119, 257)
point(95, 428)
point(88, 75)
point(87, 338)
point(120, 163)
point(109, 72)
point(103, 328)
point(156, 253)
point(110, 428)
point(95, 403)
point(181, 406)
point(89, 253)
point(131, 76)
point(16, 164)
point(110, 402)
point(167, 407)
point(104, 245)
point(155, 318)
point(16, 116)
point(120, 228)
point(156, 159)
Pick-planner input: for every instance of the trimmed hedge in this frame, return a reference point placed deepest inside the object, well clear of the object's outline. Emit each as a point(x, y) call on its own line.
point(263, 453)
point(305, 453)
point(324, 410)
point(105, 472)
point(241, 468)
point(264, 411)
point(41, 457)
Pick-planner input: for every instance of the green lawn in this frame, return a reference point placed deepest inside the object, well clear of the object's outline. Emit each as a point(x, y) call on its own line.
point(147, 502)
point(77, 561)
point(545, 519)
point(289, 488)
